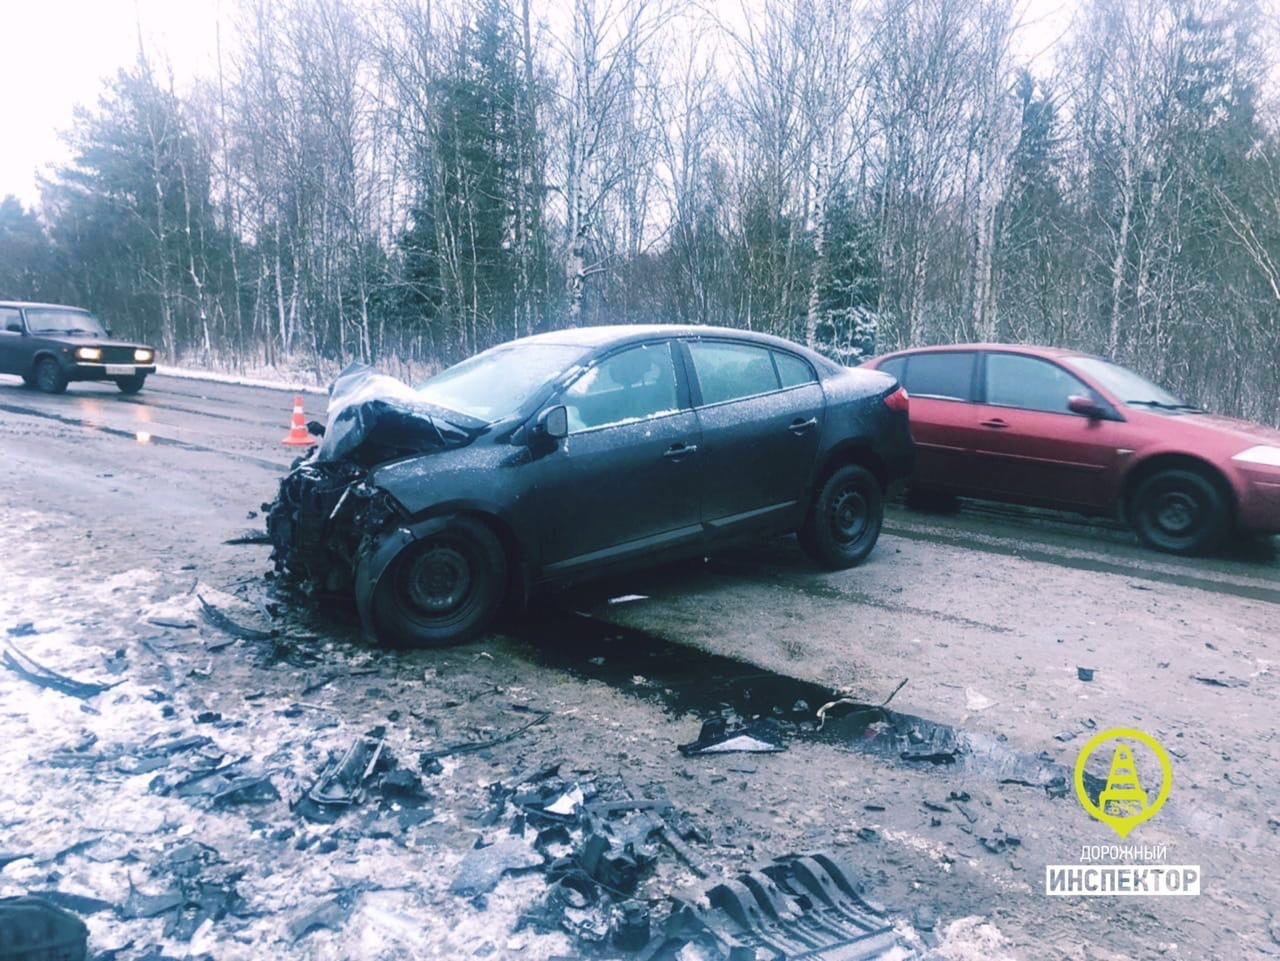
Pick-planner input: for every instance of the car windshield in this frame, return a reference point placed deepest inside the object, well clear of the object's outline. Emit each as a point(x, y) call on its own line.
point(1130, 388)
point(496, 383)
point(52, 320)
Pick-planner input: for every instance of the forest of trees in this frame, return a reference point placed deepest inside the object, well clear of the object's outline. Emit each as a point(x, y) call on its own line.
point(408, 181)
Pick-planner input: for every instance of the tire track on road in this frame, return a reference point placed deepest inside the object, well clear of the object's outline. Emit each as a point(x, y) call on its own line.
point(1255, 592)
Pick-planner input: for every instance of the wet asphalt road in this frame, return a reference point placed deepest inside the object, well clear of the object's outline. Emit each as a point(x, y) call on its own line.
point(988, 605)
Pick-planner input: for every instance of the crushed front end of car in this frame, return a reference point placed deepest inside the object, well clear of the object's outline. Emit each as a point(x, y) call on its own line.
point(326, 512)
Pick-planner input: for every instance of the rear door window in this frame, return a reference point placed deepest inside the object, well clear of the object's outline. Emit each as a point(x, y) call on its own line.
point(10, 320)
point(948, 375)
point(728, 371)
point(792, 370)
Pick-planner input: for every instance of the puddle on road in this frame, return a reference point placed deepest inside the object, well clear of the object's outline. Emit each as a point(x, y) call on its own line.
point(140, 437)
point(687, 681)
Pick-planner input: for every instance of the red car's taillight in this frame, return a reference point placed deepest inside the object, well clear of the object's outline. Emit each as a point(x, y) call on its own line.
point(898, 400)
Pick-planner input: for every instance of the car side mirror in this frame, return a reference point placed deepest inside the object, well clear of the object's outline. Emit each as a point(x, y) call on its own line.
point(1079, 404)
point(553, 422)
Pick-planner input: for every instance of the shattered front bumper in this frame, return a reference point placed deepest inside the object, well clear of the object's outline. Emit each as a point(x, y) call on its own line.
point(323, 517)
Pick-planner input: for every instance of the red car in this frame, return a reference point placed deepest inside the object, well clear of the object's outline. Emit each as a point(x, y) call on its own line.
point(1057, 428)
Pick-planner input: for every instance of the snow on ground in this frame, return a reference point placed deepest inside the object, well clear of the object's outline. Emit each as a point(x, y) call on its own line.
point(294, 376)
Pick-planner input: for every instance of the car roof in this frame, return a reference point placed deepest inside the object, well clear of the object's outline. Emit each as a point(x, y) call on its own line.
point(36, 303)
point(1032, 349)
point(625, 333)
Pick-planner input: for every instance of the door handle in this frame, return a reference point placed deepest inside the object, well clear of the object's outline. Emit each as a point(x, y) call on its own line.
point(995, 424)
point(799, 426)
point(678, 451)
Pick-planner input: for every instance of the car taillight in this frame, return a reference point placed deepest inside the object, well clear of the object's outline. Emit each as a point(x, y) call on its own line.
point(898, 400)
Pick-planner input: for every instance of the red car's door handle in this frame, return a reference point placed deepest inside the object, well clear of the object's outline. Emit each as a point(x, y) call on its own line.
point(799, 426)
point(678, 451)
point(995, 424)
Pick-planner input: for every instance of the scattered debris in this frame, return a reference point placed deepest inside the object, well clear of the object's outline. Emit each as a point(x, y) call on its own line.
point(483, 868)
point(249, 537)
point(331, 914)
point(341, 784)
point(228, 626)
point(937, 757)
point(1220, 681)
point(797, 907)
point(31, 670)
point(1085, 673)
point(721, 735)
point(25, 629)
point(857, 705)
point(467, 747)
point(974, 701)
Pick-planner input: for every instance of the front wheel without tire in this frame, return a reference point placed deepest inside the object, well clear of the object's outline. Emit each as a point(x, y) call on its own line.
point(443, 588)
point(845, 518)
point(49, 376)
point(1180, 511)
point(131, 385)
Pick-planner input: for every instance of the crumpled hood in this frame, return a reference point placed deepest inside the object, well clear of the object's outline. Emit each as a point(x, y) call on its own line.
point(375, 418)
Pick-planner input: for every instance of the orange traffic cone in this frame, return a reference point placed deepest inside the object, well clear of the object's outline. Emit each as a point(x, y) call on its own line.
point(298, 436)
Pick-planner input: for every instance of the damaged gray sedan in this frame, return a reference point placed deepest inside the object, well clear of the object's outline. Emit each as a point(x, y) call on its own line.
point(567, 455)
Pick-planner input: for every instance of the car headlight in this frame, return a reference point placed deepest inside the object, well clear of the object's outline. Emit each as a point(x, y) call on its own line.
point(1262, 454)
point(143, 356)
point(88, 353)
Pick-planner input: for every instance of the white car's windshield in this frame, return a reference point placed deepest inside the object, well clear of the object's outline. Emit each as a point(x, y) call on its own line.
point(496, 383)
point(51, 320)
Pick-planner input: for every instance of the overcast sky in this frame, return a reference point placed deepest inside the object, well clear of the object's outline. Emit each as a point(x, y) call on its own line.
point(59, 51)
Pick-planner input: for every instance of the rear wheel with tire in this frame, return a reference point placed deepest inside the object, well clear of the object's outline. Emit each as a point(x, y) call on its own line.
point(131, 385)
point(443, 588)
point(845, 518)
point(49, 376)
point(1180, 511)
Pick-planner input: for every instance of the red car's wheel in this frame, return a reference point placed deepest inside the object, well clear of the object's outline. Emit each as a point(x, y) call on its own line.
point(1180, 511)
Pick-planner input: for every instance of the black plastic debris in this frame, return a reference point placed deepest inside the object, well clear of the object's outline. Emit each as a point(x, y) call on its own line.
point(25, 629)
point(482, 868)
point(31, 670)
point(225, 624)
point(1085, 673)
point(344, 782)
point(470, 747)
point(798, 907)
point(1220, 681)
point(726, 735)
point(32, 929)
